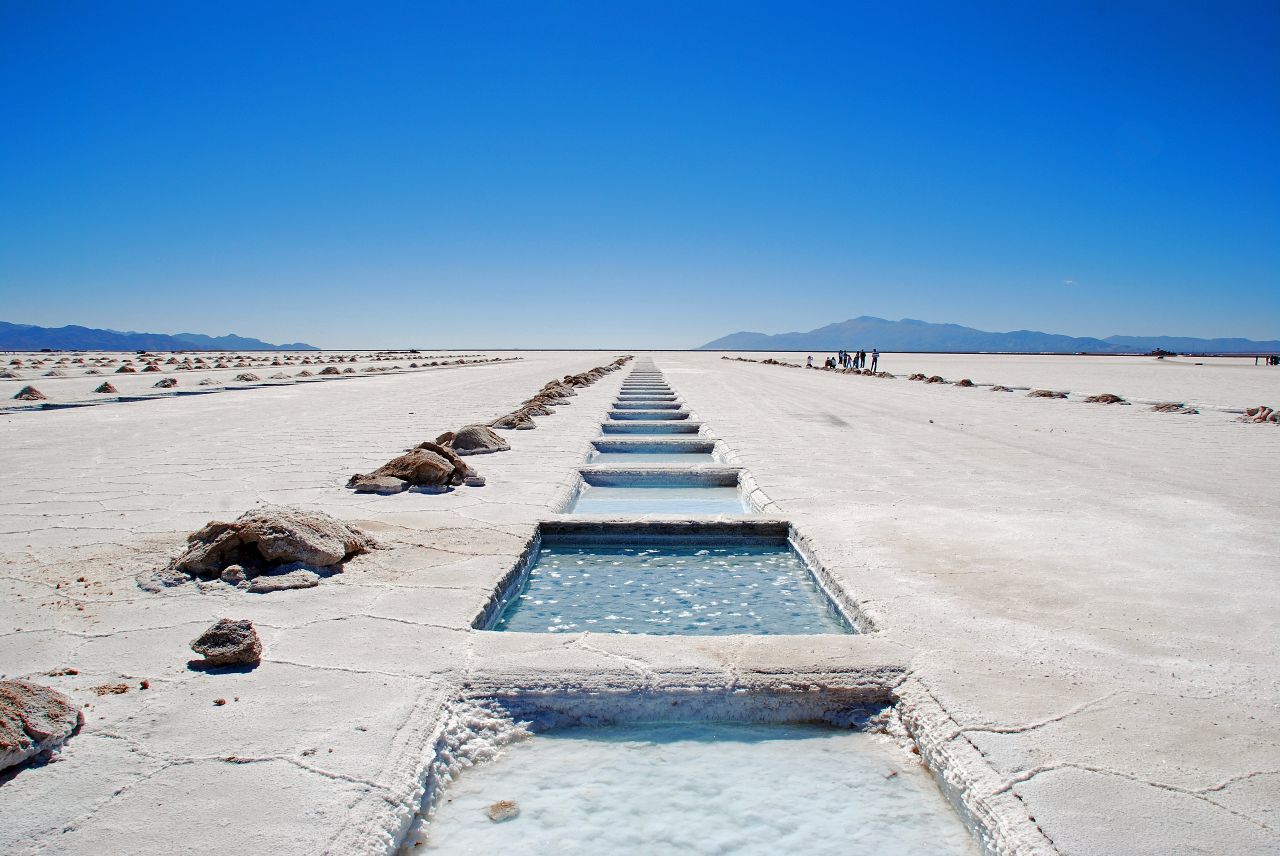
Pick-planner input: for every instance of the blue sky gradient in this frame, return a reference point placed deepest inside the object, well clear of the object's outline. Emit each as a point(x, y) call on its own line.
point(638, 174)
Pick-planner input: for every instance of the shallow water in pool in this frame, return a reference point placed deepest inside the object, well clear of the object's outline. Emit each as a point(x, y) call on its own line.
point(628, 458)
point(669, 590)
point(704, 789)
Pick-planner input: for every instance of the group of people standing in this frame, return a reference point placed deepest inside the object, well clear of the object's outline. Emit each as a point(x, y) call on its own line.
point(850, 360)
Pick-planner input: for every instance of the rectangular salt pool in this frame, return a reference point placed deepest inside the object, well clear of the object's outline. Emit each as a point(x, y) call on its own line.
point(649, 427)
point(670, 589)
point(627, 459)
point(626, 452)
point(642, 498)
point(662, 789)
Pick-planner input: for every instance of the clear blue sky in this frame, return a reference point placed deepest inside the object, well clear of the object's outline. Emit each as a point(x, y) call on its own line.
point(632, 174)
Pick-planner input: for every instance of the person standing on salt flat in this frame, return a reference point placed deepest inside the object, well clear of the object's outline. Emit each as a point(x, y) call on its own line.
point(875, 358)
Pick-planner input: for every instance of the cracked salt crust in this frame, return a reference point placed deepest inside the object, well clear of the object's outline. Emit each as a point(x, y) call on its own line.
point(1073, 605)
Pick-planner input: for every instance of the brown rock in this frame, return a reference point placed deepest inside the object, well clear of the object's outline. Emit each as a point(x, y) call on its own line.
point(229, 643)
point(33, 719)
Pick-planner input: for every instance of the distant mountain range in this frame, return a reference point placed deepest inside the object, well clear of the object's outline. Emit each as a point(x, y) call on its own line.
point(29, 337)
point(911, 335)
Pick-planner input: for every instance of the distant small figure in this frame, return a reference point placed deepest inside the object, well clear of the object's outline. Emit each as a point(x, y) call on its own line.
point(809, 362)
point(875, 359)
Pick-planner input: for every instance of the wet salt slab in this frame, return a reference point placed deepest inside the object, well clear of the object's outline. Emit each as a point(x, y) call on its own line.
point(700, 788)
point(670, 590)
point(658, 499)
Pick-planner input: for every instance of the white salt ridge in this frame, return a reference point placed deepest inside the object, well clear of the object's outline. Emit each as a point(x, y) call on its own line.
point(703, 788)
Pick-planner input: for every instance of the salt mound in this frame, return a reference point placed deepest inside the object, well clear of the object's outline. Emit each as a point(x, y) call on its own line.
point(935, 379)
point(1105, 398)
point(33, 719)
point(247, 377)
point(1045, 393)
point(265, 538)
point(126, 369)
point(964, 382)
point(477, 440)
point(916, 376)
point(106, 387)
point(9, 375)
point(1261, 413)
point(330, 370)
point(1173, 407)
point(166, 383)
point(430, 465)
point(30, 393)
point(519, 420)
point(54, 373)
point(1000, 388)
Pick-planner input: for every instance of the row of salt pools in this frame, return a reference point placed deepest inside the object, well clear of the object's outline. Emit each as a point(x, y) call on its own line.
point(660, 539)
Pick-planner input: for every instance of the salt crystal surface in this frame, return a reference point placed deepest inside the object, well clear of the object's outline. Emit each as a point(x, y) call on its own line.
point(700, 788)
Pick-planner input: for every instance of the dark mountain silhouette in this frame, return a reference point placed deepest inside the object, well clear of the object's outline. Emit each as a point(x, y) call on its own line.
point(911, 335)
point(29, 337)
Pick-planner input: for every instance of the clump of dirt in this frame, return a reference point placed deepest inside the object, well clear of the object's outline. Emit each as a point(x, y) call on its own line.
point(1105, 398)
point(964, 382)
point(503, 810)
point(1045, 393)
point(917, 376)
point(935, 379)
point(1173, 407)
point(1000, 388)
point(166, 383)
point(247, 377)
point(111, 689)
